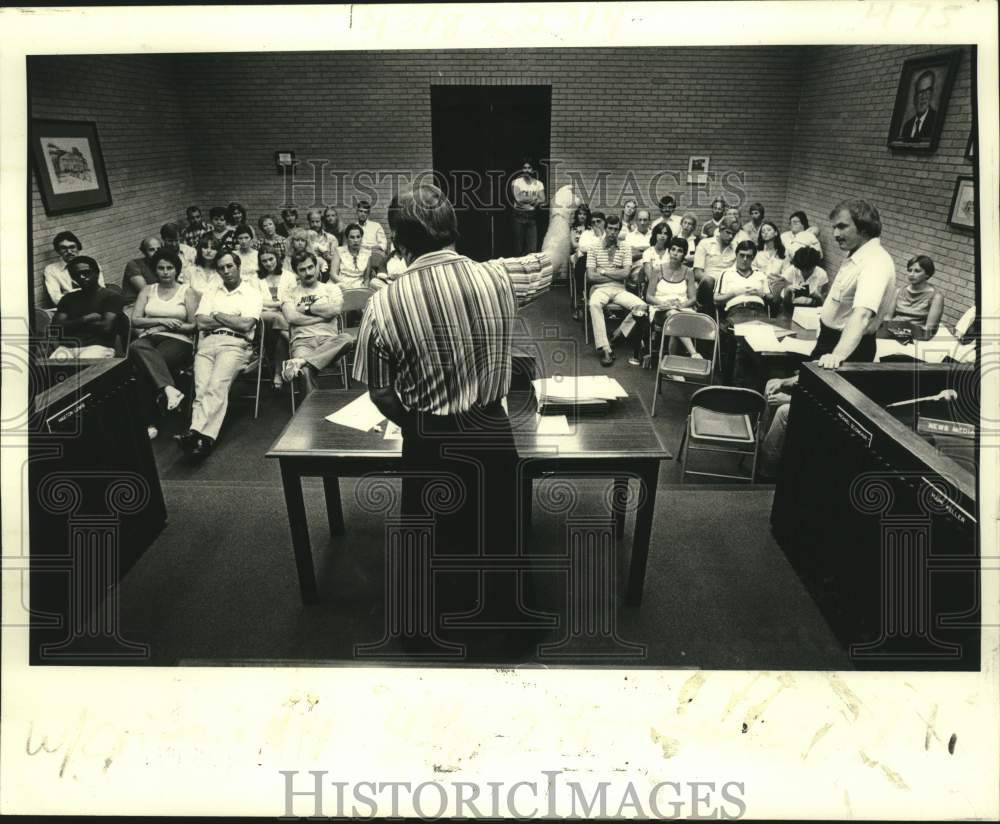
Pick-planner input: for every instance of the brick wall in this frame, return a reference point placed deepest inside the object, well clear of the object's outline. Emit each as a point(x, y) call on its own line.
point(372, 111)
point(807, 128)
point(840, 151)
point(139, 119)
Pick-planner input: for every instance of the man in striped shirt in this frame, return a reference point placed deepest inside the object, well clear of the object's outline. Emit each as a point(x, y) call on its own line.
point(609, 264)
point(435, 350)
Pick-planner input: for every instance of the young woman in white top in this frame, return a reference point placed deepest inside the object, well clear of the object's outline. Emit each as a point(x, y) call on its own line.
point(771, 259)
point(202, 275)
point(163, 318)
point(670, 288)
point(300, 242)
point(799, 234)
point(630, 208)
point(274, 282)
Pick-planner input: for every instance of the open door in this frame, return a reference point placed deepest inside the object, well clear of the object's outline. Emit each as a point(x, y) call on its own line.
point(479, 136)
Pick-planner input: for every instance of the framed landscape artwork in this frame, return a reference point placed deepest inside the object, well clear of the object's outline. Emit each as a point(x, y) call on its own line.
point(69, 165)
point(962, 214)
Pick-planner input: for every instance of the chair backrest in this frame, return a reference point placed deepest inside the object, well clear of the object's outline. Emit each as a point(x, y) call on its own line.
point(731, 400)
point(691, 325)
point(356, 300)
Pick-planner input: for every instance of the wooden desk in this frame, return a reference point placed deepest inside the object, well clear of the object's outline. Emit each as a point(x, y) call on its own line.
point(621, 444)
point(779, 363)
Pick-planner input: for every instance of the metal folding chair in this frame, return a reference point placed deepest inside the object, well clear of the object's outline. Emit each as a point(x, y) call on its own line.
point(692, 325)
point(723, 420)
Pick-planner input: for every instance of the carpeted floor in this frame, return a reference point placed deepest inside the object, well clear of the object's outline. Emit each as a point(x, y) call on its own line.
point(219, 587)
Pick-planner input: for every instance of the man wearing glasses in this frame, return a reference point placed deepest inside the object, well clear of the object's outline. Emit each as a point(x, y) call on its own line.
point(921, 125)
point(57, 279)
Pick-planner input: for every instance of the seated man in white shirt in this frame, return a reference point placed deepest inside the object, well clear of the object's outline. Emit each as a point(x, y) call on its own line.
point(710, 227)
point(609, 265)
point(667, 204)
point(712, 257)
point(739, 295)
point(752, 227)
point(638, 241)
point(312, 311)
point(351, 268)
point(226, 318)
point(373, 239)
point(57, 279)
point(733, 214)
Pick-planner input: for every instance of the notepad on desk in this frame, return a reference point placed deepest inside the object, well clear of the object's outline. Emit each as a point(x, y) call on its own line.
point(552, 425)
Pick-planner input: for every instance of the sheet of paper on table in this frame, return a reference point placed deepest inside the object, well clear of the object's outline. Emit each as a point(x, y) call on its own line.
point(942, 345)
point(392, 432)
point(741, 330)
point(552, 425)
point(360, 414)
point(807, 316)
point(798, 347)
point(761, 338)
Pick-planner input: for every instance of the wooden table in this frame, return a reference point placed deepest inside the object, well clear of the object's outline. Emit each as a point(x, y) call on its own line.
point(620, 444)
point(778, 363)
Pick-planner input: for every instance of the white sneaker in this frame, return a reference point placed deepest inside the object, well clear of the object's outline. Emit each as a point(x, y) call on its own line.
point(696, 356)
point(634, 362)
point(291, 368)
point(152, 431)
point(174, 397)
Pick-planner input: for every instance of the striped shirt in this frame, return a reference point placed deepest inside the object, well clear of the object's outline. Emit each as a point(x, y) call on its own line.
point(440, 335)
point(615, 257)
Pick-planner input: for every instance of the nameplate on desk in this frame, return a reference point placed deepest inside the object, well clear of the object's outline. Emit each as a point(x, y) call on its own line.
point(854, 427)
point(947, 504)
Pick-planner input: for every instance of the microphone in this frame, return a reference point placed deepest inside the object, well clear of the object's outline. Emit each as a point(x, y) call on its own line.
point(943, 395)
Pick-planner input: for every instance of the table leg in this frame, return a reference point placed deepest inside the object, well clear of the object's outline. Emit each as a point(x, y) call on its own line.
point(292, 483)
point(334, 511)
point(619, 496)
point(649, 475)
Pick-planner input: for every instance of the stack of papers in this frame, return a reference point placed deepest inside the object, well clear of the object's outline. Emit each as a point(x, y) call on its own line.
point(741, 330)
point(577, 390)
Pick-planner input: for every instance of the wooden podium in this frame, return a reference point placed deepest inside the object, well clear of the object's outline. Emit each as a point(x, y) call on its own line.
point(95, 505)
point(880, 522)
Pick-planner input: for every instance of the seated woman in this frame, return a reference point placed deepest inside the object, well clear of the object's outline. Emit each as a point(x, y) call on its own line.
point(203, 275)
point(670, 288)
point(577, 226)
point(807, 281)
point(772, 260)
point(331, 224)
point(269, 234)
point(350, 268)
point(395, 265)
point(163, 318)
point(299, 243)
point(918, 301)
point(799, 234)
point(236, 216)
point(630, 208)
point(243, 237)
point(274, 282)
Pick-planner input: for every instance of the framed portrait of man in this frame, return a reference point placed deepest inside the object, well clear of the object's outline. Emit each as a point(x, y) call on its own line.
point(922, 100)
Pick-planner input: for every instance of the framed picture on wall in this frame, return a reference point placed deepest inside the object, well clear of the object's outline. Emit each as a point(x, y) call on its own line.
point(922, 100)
point(962, 214)
point(698, 169)
point(69, 165)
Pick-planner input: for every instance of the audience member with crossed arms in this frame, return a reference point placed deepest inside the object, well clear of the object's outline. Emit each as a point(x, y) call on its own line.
point(312, 311)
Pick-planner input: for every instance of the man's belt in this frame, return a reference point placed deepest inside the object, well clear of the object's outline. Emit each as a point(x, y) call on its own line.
point(230, 333)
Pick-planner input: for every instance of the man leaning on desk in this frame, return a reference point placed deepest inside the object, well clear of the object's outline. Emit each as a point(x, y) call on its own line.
point(857, 303)
point(435, 350)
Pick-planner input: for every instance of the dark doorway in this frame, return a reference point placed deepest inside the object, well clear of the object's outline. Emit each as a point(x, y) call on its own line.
point(479, 136)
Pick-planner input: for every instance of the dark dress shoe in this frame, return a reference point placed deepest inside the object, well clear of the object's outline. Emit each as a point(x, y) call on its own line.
point(186, 441)
point(607, 358)
point(203, 447)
